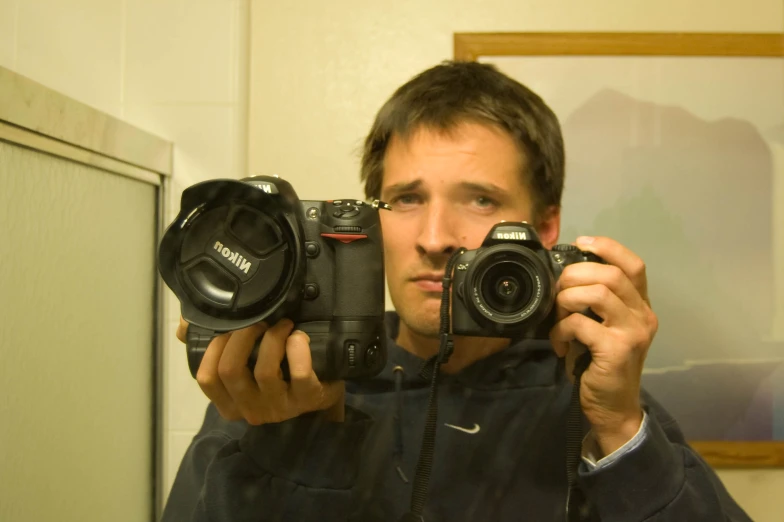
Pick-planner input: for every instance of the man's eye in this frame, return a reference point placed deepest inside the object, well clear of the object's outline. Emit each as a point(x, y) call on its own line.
point(406, 199)
point(485, 202)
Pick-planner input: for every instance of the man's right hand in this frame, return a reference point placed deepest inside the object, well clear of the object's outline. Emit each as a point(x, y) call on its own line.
point(262, 396)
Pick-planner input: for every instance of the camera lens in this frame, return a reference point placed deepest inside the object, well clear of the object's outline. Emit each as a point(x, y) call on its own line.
point(507, 287)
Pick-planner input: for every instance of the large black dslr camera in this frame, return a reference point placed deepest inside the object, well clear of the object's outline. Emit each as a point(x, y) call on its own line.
point(506, 287)
point(244, 251)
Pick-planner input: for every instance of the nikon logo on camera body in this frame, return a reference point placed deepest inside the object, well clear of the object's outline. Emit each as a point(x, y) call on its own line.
point(234, 258)
point(521, 236)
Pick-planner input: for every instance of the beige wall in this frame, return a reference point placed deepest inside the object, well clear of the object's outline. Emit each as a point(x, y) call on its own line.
point(177, 69)
point(320, 70)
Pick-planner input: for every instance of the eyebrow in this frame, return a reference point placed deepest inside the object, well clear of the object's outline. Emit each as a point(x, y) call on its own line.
point(472, 186)
point(399, 188)
point(489, 188)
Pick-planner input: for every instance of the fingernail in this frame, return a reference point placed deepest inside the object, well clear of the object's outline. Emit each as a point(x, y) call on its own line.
point(303, 333)
point(585, 240)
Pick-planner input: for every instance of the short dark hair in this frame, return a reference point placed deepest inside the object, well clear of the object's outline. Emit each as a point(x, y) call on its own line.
point(456, 92)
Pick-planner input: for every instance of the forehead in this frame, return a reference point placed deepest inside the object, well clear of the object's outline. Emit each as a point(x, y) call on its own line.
point(468, 151)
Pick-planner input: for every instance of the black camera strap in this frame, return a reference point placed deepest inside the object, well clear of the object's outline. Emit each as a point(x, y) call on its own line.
point(576, 505)
point(430, 370)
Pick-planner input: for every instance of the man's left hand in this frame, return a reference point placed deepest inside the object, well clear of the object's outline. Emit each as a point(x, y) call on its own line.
point(618, 293)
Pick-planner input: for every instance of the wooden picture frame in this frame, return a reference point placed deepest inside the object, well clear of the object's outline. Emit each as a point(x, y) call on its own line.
point(474, 46)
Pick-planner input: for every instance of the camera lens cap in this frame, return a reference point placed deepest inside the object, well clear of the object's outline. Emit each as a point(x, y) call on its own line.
point(234, 254)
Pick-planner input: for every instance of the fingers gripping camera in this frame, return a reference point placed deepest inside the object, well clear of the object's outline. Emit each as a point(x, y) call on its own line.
point(245, 251)
point(506, 287)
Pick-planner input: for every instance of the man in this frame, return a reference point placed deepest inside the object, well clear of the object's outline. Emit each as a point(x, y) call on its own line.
point(456, 150)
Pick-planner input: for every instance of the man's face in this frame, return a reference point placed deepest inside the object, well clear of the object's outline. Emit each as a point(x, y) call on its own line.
point(446, 192)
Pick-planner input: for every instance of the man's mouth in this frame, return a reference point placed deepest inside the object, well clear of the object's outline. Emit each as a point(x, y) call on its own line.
point(429, 282)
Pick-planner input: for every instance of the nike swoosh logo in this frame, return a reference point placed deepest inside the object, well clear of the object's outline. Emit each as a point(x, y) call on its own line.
point(470, 431)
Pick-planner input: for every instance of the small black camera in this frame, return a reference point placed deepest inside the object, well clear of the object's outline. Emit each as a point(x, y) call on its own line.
point(244, 251)
point(506, 287)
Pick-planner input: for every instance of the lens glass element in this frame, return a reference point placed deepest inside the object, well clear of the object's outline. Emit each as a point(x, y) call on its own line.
point(507, 287)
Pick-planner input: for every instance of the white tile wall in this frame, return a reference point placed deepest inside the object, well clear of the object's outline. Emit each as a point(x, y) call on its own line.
point(203, 135)
point(173, 67)
point(73, 47)
point(8, 10)
point(196, 36)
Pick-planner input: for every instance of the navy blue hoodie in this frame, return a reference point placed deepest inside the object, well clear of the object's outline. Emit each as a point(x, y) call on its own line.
point(500, 455)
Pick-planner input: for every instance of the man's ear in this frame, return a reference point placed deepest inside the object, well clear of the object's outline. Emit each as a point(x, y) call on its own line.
point(549, 226)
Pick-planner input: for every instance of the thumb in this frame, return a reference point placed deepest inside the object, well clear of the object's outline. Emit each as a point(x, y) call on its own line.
point(182, 330)
point(332, 393)
point(334, 400)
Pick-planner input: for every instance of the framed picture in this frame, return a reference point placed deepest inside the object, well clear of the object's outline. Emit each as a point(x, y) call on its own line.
point(675, 148)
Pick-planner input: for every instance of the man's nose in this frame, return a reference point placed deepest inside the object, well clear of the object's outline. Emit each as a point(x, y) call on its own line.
point(437, 235)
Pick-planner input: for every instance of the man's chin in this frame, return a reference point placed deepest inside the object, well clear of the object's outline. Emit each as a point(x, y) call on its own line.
point(420, 312)
point(426, 331)
point(424, 324)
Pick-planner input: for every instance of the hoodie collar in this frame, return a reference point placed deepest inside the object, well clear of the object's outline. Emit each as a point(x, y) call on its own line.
point(525, 363)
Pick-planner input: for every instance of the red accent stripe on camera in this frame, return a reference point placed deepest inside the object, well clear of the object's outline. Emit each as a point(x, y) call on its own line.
point(345, 238)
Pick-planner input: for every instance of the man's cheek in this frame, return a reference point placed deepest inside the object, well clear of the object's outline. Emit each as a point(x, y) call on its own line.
point(476, 236)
